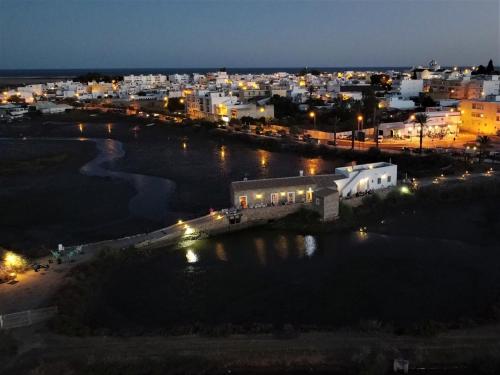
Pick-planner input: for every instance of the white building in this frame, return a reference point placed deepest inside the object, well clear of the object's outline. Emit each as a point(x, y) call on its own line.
point(399, 102)
point(364, 177)
point(49, 107)
point(411, 87)
point(348, 181)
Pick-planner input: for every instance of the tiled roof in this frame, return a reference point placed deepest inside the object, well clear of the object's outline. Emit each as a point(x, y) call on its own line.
point(325, 180)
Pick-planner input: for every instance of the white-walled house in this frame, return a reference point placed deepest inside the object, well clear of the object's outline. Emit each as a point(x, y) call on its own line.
point(364, 177)
point(399, 102)
point(411, 87)
point(347, 181)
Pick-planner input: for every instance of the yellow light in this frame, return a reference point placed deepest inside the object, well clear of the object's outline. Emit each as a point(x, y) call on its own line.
point(258, 196)
point(380, 105)
point(300, 192)
point(261, 109)
point(80, 126)
point(312, 171)
point(405, 190)
point(109, 128)
point(188, 230)
point(360, 118)
point(263, 161)
point(14, 262)
point(282, 193)
point(184, 145)
point(412, 117)
point(165, 98)
point(312, 114)
point(181, 101)
point(219, 217)
point(180, 221)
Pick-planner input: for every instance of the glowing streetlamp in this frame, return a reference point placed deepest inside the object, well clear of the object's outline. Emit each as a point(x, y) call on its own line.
point(313, 116)
point(360, 122)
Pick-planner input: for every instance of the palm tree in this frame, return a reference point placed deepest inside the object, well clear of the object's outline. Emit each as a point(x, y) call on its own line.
point(421, 118)
point(483, 142)
point(334, 122)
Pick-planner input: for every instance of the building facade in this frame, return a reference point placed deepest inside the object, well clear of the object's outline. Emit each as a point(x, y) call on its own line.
point(481, 116)
point(347, 181)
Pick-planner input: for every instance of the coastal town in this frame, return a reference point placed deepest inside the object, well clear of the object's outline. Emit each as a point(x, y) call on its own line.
point(424, 108)
point(249, 187)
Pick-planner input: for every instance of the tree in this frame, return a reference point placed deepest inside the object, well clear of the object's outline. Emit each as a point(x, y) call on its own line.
point(333, 121)
point(421, 118)
point(295, 130)
point(484, 143)
point(490, 69)
point(382, 80)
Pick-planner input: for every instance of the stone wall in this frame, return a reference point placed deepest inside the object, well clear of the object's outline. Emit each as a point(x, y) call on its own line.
point(217, 224)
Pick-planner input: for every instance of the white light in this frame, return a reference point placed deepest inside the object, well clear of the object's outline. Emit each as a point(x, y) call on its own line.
point(310, 243)
point(191, 256)
point(188, 230)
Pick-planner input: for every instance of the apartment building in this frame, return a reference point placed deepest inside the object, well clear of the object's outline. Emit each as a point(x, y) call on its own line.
point(481, 116)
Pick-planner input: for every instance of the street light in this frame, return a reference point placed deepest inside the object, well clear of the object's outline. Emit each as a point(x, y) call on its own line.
point(360, 127)
point(360, 122)
point(313, 116)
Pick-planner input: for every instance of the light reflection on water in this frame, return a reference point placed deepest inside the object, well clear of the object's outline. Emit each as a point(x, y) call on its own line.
point(310, 243)
point(260, 249)
point(281, 246)
point(191, 256)
point(220, 251)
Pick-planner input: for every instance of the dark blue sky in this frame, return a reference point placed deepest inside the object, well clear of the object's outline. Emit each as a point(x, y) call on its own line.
point(239, 33)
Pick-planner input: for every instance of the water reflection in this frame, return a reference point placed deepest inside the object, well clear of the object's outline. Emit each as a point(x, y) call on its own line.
point(310, 245)
point(312, 167)
point(191, 256)
point(220, 252)
point(153, 193)
point(260, 249)
point(281, 245)
point(300, 245)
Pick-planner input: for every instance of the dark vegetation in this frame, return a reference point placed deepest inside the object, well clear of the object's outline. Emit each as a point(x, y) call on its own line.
point(488, 70)
point(98, 77)
point(10, 167)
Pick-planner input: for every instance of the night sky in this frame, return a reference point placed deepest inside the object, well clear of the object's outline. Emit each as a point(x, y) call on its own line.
point(239, 33)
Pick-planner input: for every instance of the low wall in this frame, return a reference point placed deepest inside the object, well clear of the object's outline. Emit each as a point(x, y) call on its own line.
point(358, 201)
point(218, 224)
point(26, 318)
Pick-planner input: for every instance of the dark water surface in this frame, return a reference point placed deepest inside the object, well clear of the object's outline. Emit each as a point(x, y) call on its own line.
point(272, 277)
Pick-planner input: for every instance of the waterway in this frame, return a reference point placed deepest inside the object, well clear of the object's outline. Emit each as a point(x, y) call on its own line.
point(153, 193)
point(267, 277)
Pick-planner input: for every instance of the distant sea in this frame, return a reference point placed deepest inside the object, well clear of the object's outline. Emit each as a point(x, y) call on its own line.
point(52, 73)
